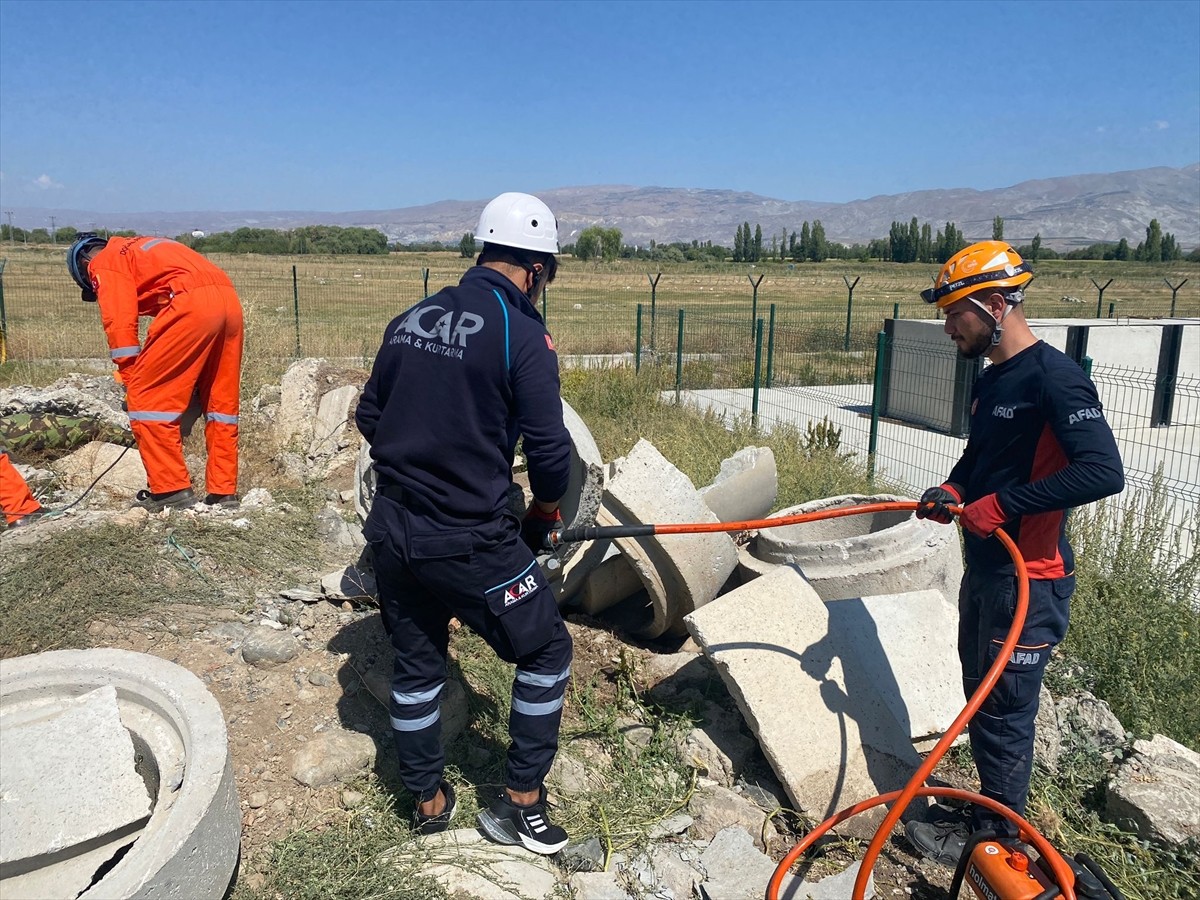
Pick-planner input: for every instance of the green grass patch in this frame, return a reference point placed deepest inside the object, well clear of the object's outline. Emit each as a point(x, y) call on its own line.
point(620, 407)
point(361, 858)
point(1135, 616)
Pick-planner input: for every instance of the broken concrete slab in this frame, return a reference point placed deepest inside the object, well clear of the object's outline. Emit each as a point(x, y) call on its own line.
point(612, 581)
point(906, 645)
point(123, 480)
point(680, 572)
point(736, 869)
point(745, 487)
point(68, 781)
point(467, 863)
point(299, 395)
point(860, 555)
point(817, 714)
point(1157, 792)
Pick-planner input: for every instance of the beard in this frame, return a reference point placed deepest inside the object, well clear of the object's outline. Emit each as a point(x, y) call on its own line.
point(974, 347)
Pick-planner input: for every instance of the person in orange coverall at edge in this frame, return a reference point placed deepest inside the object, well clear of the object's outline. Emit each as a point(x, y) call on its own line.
point(193, 347)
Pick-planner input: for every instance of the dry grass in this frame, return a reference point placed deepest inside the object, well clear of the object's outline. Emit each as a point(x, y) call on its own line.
point(344, 302)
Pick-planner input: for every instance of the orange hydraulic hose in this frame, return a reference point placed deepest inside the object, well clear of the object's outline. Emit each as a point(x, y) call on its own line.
point(1062, 873)
point(915, 787)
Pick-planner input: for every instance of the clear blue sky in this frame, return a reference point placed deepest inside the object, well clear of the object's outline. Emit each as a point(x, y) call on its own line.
point(137, 106)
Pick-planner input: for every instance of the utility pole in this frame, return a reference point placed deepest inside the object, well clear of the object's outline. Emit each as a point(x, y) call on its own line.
point(52, 241)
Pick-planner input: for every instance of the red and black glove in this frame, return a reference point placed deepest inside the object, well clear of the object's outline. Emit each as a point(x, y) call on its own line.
point(537, 526)
point(935, 504)
point(983, 516)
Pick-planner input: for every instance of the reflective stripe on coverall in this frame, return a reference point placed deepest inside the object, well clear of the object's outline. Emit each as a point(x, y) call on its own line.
point(194, 346)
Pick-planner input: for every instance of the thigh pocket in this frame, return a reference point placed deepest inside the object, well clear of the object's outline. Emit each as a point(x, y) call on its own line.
point(520, 599)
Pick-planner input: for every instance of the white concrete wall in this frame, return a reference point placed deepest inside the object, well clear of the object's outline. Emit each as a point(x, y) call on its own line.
point(921, 378)
point(1126, 343)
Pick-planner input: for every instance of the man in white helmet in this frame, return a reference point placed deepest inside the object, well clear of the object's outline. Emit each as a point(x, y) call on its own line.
point(459, 378)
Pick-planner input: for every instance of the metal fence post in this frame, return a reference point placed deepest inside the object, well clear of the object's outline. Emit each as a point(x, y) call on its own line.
point(771, 347)
point(876, 404)
point(896, 310)
point(1100, 296)
point(849, 308)
point(653, 305)
point(296, 307)
point(637, 345)
point(545, 297)
point(1174, 291)
point(754, 302)
point(425, 280)
point(758, 336)
point(1165, 379)
point(678, 355)
point(1087, 366)
point(3, 316)
point(1112, 307)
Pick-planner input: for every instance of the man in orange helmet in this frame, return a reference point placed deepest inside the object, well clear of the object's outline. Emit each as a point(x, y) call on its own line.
point(1039, 445)
point(17, 504)
point(193, 347)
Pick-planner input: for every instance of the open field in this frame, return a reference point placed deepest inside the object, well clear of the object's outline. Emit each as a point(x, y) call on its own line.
point(343, 302)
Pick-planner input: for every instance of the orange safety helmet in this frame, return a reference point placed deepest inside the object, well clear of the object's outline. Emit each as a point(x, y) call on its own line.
point(992, 264)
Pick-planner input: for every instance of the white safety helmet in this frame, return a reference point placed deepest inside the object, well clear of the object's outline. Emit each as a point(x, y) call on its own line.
point(518, 220)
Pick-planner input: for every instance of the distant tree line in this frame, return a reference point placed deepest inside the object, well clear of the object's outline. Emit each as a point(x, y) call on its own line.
point(906, 242)
point(310, 239)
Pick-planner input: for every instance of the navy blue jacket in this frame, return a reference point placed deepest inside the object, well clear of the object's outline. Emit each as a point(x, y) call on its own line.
point(459, 377)
point(1039, 441)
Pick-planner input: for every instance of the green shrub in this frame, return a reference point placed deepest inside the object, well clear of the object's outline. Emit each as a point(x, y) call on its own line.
point(1135, 616)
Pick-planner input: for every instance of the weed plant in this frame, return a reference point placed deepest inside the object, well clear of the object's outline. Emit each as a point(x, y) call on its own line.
point(1065, 807)
point(354, 860)
point(1135, 616)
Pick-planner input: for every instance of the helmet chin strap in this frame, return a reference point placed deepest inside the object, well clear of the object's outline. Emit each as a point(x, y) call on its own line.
point(1010, 303)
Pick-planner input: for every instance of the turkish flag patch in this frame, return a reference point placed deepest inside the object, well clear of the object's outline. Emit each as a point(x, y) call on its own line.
point(549, 343)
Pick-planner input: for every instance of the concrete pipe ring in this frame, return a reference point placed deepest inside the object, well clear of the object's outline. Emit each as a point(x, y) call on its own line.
point(859, 556)
point(188, 847)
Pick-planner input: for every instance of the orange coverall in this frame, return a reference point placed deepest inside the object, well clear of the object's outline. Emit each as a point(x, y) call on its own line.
point(15, 499)
point(194, 346)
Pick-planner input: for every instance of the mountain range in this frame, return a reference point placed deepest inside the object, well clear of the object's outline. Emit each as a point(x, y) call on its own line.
point(1069, 211)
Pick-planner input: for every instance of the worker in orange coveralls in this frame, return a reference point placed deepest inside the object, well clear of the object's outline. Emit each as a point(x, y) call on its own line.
point(16, 501)
point(194, 346)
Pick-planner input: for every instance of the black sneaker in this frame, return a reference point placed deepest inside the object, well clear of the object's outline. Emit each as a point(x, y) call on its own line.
point(423, 824)
point(225, 501)
point(507, 823)
point(180, 499)
point(942, 841)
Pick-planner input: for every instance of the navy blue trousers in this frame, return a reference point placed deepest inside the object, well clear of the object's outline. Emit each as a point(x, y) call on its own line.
point(486, 577)
point(1001, 732)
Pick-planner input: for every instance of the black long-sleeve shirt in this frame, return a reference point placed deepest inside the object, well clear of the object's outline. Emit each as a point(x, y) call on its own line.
point(459, 377)
point(1039, 441)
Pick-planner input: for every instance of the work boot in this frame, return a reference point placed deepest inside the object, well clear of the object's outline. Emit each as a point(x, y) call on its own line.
point(180, 499)
point(225, 501)
point(942, 839)
point(507, 823)
point(423, 824)
point(27, 519)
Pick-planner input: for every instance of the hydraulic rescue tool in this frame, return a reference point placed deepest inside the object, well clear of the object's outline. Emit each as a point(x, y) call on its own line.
point(993, 866)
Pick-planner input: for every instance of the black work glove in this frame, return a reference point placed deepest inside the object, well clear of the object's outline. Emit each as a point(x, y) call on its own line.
point(935, 503)
point(537, 526)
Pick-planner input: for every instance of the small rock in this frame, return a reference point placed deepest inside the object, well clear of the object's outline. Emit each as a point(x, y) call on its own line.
point(587, 856)
point(352, 799)
point(264, 647)
point(257, 800)
point(319, 679)
point(332, 756)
